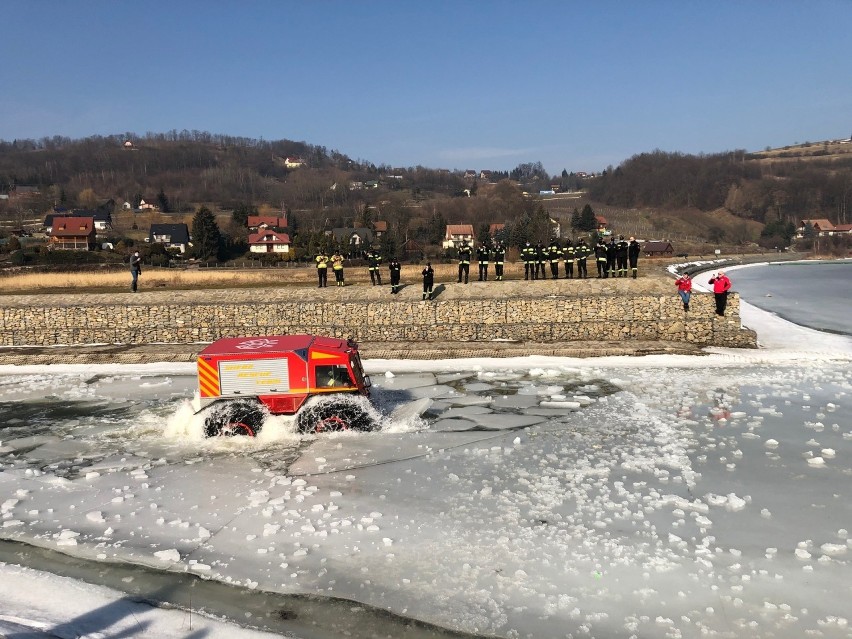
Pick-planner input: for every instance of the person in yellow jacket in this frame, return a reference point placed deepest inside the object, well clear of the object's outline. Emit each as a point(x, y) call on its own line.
point(337, 267)
point(322, 269)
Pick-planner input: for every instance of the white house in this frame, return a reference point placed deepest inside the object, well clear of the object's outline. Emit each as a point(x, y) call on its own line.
point(456, 234)
point(268, 241)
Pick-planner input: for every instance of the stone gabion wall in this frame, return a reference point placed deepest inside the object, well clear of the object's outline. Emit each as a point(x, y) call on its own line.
point(549, 319)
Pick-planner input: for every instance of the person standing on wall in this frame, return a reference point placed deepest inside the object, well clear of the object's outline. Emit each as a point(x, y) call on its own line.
point(721, 286)
point(528, 255)
point(135, 270)
point(322, 269)
point(554, 252)
point(570, 255)
point(428, 281)
point(684, 289)
point(337, 267)
point(374, 261)
point(611, 250)
point(621, 250)
point(499, 260)
point(600, 258)
point(633, 250)
point(395, 269)
point(540, 259)
point(482, 256)
point(464, 261)
point(582, 252)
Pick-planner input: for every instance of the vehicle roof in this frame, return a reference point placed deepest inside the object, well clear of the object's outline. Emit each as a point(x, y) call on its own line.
point(271, 344)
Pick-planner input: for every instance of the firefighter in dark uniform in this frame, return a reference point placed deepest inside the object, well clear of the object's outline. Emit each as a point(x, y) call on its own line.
point(528, 255)
point(582, 252)
point(600, 257)
point(322, 269)
point(570, 256)
point(540, 259)
point(621, 256)
point(554, 253)
point(611, 250)
point(395, 269)
point(499, 259)
point(633, 250)
point(428, 281)
point(464, 261)
point(374, 261)
point(482, 256)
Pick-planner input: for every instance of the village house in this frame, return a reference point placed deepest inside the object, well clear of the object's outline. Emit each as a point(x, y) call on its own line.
point(146, 206)
point(380, 227)
point(657, 248)
point(257, 222)
point(843, 229)
point(72, 234)
point(820, 227)
point(456, 234)
point(269, 241)
point(494, 229)
point(19, 193)
point(353, 240)
point(293, 162)
point(102, 218)
point(413, 250)
point(172, 236)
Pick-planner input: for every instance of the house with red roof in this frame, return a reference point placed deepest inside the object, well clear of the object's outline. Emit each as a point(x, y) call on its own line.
point(269, 241)
point(257, 222)
point(820, 226)
point(72, 234)
point(456, 234)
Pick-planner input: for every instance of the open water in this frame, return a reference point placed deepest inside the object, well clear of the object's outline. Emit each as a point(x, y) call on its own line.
point(813, 294)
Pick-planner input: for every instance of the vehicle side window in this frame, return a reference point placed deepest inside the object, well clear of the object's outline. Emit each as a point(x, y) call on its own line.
point(333, 376)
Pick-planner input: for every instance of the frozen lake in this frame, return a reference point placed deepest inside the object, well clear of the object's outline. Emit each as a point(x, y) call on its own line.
point(663, 496)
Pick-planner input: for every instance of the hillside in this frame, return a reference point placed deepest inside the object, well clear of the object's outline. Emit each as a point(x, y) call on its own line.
point(725, 198)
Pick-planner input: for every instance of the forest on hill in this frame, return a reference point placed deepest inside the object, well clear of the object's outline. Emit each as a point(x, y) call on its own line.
point(320, 189)
point(748, 185)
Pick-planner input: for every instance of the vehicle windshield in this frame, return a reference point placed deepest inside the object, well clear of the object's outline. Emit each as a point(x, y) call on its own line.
point(358, 371)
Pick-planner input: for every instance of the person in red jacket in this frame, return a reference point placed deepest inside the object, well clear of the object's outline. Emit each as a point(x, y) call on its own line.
point(721, 286)
point(684, 289)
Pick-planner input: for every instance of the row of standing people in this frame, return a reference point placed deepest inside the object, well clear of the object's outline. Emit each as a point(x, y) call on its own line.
point(374, 261)
point(611, 259)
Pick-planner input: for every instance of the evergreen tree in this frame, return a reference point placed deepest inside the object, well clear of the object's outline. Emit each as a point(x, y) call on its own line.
point(575, 220)
point(163, 202)
point(206, 237)
point(484, 236)
point(587, 219)
point(388, 244)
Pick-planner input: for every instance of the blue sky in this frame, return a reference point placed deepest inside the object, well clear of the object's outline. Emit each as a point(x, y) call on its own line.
point(467, 85)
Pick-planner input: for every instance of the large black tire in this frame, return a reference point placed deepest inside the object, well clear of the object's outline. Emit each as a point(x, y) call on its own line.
point(238, 417)
point(333, 415)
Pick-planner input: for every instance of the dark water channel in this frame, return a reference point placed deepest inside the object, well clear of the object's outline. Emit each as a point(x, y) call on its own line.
point(302, 616)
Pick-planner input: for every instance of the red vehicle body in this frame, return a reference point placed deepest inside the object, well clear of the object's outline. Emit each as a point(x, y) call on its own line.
point(250, 376)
